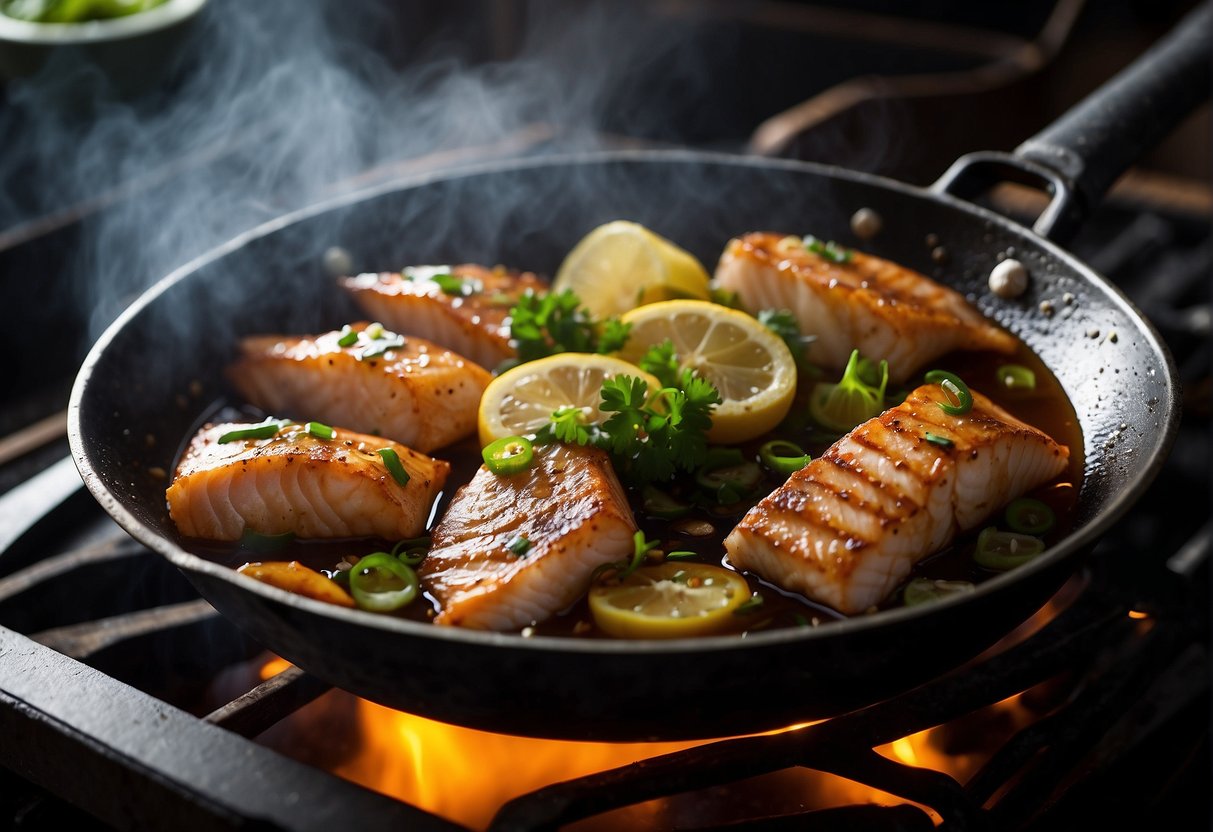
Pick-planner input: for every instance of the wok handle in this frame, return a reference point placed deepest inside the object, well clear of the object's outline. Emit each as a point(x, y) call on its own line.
point(1079, 156)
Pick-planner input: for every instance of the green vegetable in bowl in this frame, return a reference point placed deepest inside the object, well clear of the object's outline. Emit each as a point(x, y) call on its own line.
point(74, 11)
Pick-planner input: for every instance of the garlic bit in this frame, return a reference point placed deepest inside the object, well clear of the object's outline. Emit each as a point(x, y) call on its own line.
point(1009, 279)
point(866, 223)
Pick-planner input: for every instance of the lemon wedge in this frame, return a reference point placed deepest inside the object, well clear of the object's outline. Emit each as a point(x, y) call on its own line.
point(669, 601)
point(622, 265)
point(751, 366)
point(520, 401)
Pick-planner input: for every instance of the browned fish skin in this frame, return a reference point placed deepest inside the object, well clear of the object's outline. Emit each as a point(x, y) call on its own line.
point(294, 482)
point(884, 310)
point(419, 394)
point(571, 508)
point(473, 325)
point(847, 528)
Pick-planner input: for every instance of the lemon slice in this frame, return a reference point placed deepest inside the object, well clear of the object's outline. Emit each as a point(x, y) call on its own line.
point(669, 601)
point(751, 366)
point(622, 265)
point(520, 401)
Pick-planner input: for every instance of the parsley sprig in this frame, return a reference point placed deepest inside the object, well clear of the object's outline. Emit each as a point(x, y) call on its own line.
point(649, 436)
point(542, 325)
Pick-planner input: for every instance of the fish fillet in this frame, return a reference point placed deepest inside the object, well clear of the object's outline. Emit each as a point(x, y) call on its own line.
point(417, 393)
point(847, 528)
point(472, 322)
point(884, 310)
point(295, 482)
point(568, 505)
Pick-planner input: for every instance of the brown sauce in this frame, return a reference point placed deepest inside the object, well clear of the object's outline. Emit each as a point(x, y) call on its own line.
point(1046, 408)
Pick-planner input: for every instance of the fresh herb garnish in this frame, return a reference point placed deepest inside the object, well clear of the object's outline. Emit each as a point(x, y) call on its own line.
point(542, 325)
point(784, 324)
point(380, 345)
point(457, 286)
point(662, 362)
point(520, 545)
point(936, 439)
point(828, 249)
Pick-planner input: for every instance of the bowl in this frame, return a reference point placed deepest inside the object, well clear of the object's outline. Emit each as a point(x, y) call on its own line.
point(131, 50)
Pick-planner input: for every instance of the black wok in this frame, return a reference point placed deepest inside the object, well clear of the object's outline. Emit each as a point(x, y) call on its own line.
point(157, 370)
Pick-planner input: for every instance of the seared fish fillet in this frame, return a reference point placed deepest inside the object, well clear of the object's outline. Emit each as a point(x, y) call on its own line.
point(416, 392)
point(571, 509)
point(846, 529)
point(470, 321)
point(295, 482)
point(884, 310)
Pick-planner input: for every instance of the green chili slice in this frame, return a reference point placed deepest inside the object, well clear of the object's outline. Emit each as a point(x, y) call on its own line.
point(391, 461)
point(320, 431)
point(1028, 516)
point(508, 455)
point(520, 545)
point(731, 482)
point(658, 503)
point(412, 550)
point(783, 457)
point(262, 431)
point(381, 583)
point(348, 336)
point(1016, 377)
point(955, 387)
point(1001, 551)
point(925, 590)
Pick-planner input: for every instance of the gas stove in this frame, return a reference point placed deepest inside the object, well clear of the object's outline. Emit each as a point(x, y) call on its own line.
point(126, 701)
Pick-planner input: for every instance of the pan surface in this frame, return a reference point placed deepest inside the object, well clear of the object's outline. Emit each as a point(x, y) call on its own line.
point(158, 369)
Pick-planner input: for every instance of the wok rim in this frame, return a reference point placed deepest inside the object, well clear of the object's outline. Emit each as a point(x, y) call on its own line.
point(1074, 544)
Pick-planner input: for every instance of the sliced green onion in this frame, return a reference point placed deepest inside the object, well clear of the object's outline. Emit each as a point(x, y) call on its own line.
point(451, 285)
point(257, 542)
point(936, 439)
point(640, 548)
point(783, 457)
point(320, 431)
point(681, 555)
point(828, 249)
point(381, 583)
point(756, 601)
point(1001, 551)
point(1016, 377)
point(520, 545)
point(375, 331)
point(925, 590)
point(658, 503)
point(955, 387)
point(391, 461)
point(730, 483)
point(412, 550)
point(1028, 516)
point(348, 337)
point(381, 345)
point(508, 455)
point(262, 431)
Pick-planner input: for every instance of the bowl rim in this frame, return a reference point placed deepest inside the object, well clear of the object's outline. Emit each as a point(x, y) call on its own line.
point(163, 16)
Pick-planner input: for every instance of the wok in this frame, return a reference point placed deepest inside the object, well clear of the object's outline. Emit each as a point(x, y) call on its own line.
point(156, 371)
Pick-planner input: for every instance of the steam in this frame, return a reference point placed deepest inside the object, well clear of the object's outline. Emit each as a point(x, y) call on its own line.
point(280, 103)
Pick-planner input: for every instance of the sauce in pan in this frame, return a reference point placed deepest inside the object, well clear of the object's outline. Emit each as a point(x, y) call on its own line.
point(703, 528)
